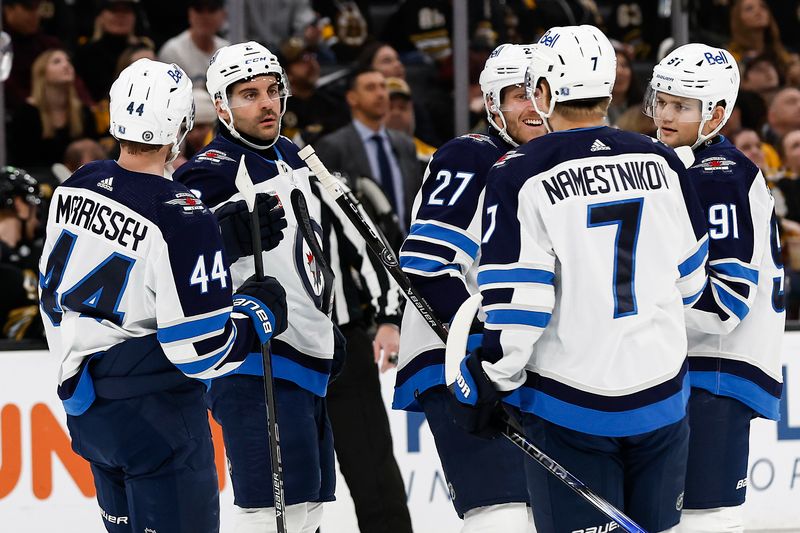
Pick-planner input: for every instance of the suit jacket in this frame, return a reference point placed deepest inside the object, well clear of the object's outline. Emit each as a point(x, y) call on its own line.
point(343, 151)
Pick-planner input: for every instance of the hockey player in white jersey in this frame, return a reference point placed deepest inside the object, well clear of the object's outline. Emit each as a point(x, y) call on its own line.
point(589, 255)
point(441, 257)
point(136, 300)
point(735, 373)
point(250, 90)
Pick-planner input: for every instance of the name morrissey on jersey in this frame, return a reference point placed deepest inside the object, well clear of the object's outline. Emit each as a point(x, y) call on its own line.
point(590, 180)
point(101, 220)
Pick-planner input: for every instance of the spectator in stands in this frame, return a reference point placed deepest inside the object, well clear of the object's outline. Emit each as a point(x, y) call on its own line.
point(192, 49)
point(271, 22)
point(750, 144)
point(401, 117)
point(21, 20)
point(134, 53)
point(205, 120)
point(761, 76)
point(96, 61)
point(77, 154)
point(365, 147)
point(783, 115)
point(51, 117)
point(790, 154)
point(385, 59)
point(627, 90)
point(311, 111)
point(754, 32)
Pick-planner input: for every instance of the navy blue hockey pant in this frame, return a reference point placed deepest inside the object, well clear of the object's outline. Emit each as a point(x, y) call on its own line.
point(642, 475)
point(309, 470)
point(719, 444)
point(153, 461)
point(479, 471)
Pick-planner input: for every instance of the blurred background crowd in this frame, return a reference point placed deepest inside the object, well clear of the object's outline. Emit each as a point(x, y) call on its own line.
point(66, 54)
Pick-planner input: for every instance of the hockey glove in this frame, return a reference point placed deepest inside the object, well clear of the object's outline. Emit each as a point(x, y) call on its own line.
point(475, 401)
point(265, 303)
point(234, 223)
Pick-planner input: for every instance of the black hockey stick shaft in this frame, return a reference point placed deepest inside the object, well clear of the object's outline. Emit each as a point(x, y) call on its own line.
point(515, 435)
point(245, 186)
point(377, 245)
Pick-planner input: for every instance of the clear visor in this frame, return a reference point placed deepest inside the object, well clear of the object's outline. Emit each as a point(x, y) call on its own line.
point(258, 92)
point(663, 107)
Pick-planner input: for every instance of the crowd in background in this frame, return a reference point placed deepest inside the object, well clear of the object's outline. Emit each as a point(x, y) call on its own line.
point(68, 52)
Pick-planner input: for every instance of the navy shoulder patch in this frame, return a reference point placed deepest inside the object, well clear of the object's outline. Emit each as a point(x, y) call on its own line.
point(214, 156)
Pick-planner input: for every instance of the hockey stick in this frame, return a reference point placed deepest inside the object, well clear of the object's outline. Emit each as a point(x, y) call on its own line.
point(456, 347)
point(300, 209)
point(245, 186)
point(374, 242)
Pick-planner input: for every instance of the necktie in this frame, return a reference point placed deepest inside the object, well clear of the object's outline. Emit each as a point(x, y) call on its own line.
point(385, 171)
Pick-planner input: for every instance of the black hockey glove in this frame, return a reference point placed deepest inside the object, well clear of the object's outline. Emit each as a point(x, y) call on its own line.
point(475, 402)
point(234, 222)
point(268, 293)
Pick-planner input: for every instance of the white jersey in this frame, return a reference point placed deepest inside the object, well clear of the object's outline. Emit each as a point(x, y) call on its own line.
point(303, 353)
point(593, 244)
point(133, 270)
point(743, 306)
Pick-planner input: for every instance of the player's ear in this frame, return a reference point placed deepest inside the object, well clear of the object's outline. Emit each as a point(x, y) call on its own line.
point(221, 113)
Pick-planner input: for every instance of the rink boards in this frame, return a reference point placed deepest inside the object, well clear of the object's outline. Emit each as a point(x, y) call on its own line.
point(45, 487)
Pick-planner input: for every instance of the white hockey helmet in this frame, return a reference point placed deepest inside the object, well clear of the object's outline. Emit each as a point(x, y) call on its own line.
point(506, 66)
point(239, 62)
point(578, 62)
point(704, 73)
point(151, 103)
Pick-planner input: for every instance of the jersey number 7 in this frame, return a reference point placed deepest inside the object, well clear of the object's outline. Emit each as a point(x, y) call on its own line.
point(97, 295)
point(626, 215)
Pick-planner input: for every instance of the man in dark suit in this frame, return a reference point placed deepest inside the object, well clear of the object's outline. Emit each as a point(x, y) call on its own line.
point(365, 147)
point(363, 441)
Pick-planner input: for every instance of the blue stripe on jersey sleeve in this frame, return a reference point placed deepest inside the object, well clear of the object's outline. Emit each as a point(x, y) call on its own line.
point(695, 261)
point(425, 265)
point(690, 300)
point(739, 308)
point(193, 328)
point(453, 237)
point(736, 270)
point(198, 367)
point(516, 275)
point(516, 316)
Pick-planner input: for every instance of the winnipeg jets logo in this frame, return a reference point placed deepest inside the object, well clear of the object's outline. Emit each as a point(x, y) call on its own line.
point(214, 156)
point(308, 266)
point(187, 202)
point(316, 272)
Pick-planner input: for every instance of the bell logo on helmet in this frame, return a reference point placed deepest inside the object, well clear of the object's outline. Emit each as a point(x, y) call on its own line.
point(147, 136)
point(175, 74)
point(549, 40)
point(716, 60)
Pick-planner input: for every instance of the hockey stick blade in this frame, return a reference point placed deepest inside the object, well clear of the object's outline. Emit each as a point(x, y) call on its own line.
point(454, 353)
point(300, 208)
